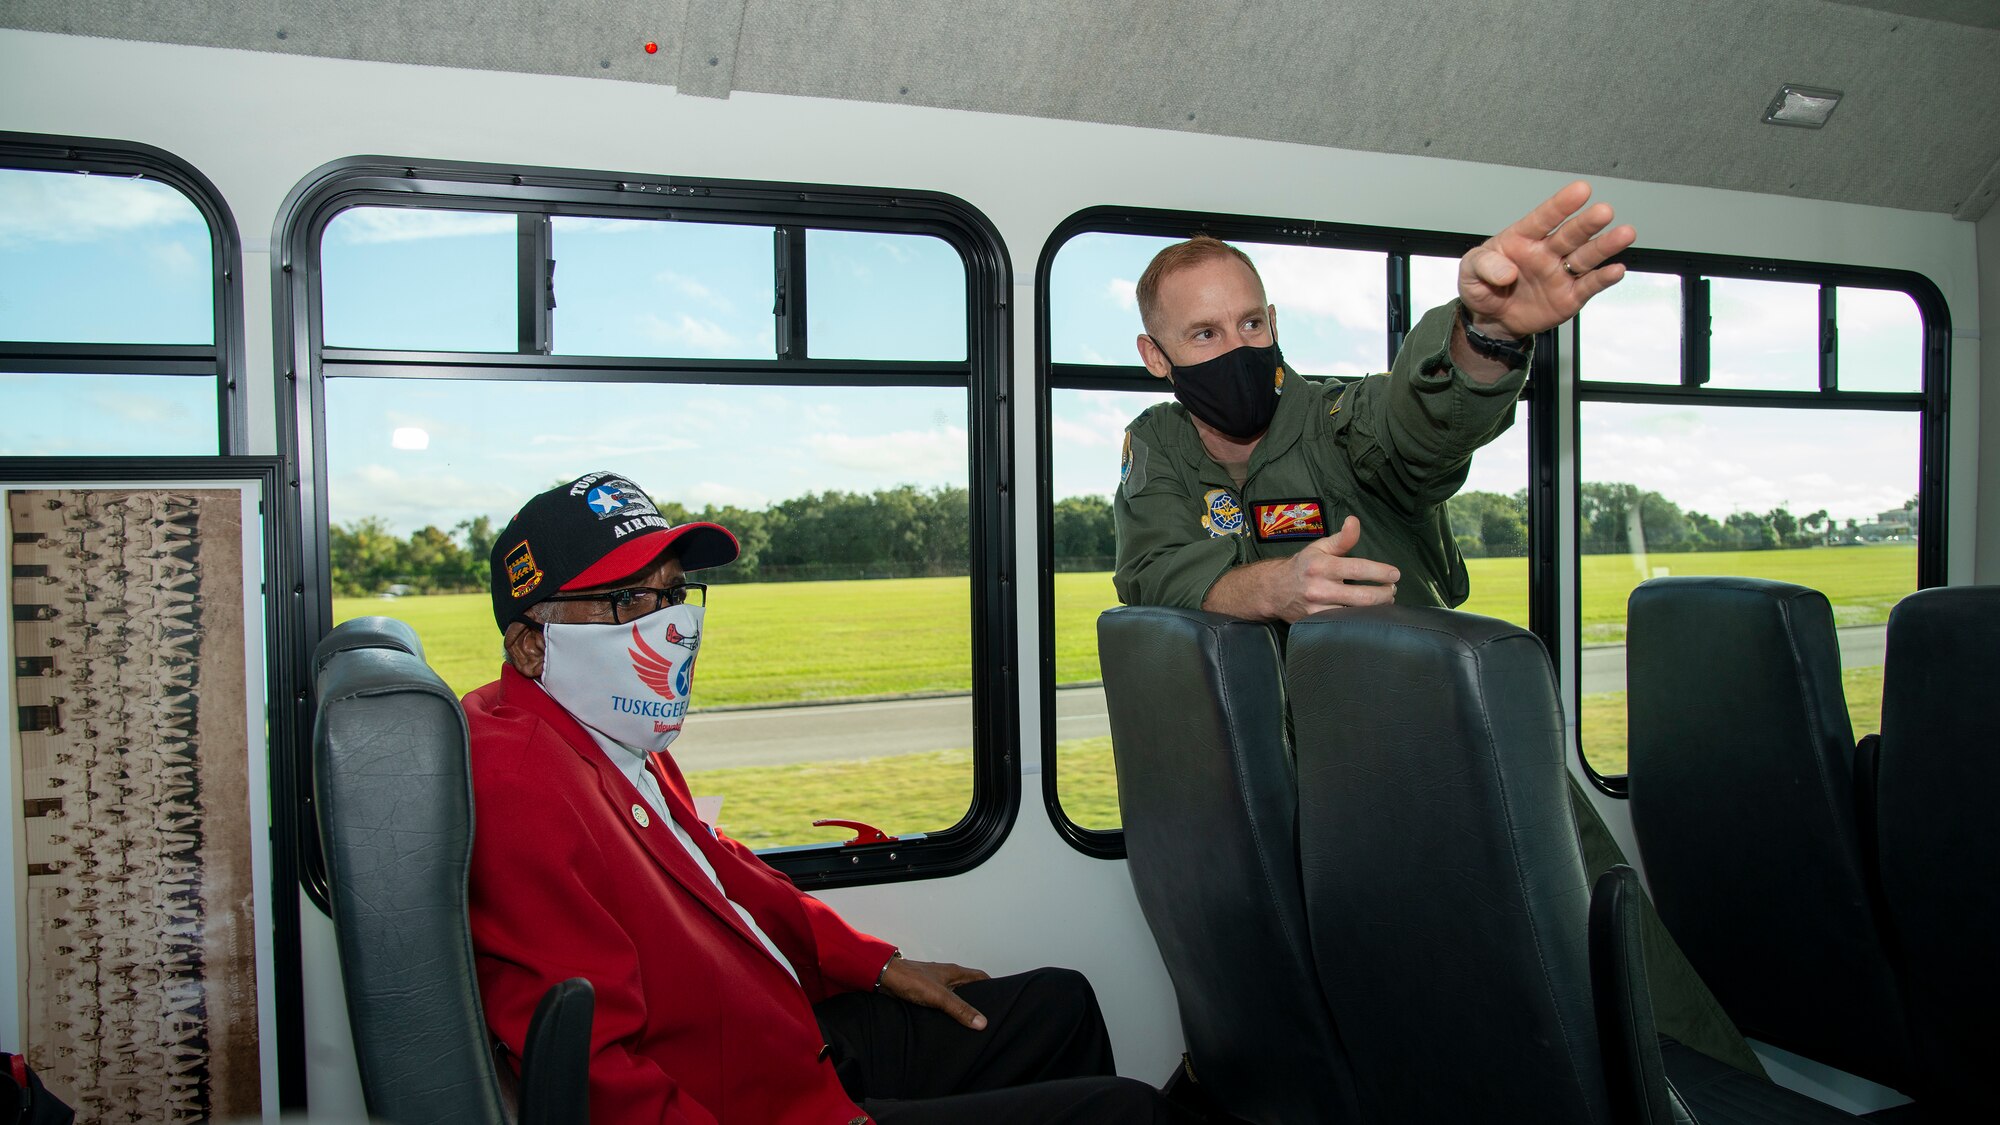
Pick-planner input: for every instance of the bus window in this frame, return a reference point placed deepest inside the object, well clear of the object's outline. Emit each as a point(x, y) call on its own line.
point(1764, 335)
point(1631, 332)
point(640, 287)
point(1332, 321)
point(1881, 337)
point(1773, 468)
point(110, 300)
point(419, 279)
point(855, 638)
point(883, 296)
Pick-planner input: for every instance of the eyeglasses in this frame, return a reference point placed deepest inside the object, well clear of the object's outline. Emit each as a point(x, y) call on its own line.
point(634, 602)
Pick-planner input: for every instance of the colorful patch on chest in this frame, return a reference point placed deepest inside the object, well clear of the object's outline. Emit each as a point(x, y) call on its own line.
point(1289, 519)
point(1221, 514)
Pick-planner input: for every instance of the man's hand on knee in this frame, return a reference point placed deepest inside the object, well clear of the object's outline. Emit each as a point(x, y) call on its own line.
point(930, 984)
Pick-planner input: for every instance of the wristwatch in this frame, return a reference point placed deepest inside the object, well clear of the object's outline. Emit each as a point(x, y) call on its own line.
point(1513, 353)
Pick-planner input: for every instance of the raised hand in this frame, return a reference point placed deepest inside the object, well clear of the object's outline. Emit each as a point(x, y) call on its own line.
point(1538, 272)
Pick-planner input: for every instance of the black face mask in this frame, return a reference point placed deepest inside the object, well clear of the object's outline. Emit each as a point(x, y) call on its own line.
point(1236, 392)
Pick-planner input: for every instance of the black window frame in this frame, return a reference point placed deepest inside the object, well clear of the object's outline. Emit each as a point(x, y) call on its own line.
point(222, 358)
point(1399, 244)
point(1931, 400)
point(536, 194)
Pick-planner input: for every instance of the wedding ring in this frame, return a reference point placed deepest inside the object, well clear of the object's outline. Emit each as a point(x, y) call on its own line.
point(1570, 269)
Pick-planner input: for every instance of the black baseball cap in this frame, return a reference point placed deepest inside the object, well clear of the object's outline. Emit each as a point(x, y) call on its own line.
point(596, 529)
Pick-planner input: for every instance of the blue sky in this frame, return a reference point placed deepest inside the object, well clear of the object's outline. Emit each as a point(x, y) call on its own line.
point(108, 259)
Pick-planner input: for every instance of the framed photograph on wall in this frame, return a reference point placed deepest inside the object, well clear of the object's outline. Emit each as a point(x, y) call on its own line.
point(151, 969)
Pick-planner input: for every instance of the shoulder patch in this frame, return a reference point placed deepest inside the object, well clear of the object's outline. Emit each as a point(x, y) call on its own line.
point(1132, 466)
point(1221, 514)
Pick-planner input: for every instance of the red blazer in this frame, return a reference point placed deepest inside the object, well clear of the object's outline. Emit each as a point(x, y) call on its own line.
point(694, 1020)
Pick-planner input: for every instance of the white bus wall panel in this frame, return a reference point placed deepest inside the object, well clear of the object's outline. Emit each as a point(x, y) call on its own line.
point(257, 123)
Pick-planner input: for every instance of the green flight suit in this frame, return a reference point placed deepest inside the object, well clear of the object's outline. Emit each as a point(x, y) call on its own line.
point(1390, 449)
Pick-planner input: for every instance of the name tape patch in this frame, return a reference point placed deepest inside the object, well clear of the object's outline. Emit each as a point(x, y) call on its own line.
point(1290, 519)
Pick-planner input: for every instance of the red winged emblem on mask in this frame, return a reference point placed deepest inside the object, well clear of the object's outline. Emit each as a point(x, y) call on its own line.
point(654, 670)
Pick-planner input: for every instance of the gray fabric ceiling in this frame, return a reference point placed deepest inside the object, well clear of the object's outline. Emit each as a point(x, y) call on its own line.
point(1659, 90)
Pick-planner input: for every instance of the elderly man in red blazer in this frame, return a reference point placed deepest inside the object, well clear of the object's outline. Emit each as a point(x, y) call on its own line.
point(723, 993)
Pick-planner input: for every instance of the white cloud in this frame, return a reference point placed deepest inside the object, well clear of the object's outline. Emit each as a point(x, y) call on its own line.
point(698, 496)
point(1124, 293)
point(694, 290)
point(917, 456)
point(362, 225)
point(691, 335)
point(175, 260)
point(1722, 460)
point(66, 207)
point(139, 409)
point(412, 500)
point(1350, 286)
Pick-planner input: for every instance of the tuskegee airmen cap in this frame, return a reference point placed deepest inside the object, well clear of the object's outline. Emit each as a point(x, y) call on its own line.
point(596, 529)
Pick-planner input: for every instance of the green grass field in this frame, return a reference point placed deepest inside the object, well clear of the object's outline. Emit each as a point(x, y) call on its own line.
point(781, 642)
point(803, 641)
point(771, 642)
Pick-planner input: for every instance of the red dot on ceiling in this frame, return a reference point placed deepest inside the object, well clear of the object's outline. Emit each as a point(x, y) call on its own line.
point(652, 48)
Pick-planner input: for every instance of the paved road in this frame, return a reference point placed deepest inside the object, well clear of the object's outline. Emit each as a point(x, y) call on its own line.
point(845, 731)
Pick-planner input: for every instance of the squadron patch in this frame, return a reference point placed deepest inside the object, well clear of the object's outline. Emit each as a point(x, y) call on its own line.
point(1132, 465)
point(1221, 514)
point(1289, 519)
point(522, 573)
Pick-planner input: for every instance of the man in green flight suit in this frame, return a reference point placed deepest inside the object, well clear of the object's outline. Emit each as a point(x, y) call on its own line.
point(1264, 495)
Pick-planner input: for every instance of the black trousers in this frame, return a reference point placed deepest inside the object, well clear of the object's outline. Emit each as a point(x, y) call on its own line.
point(1044, 1057)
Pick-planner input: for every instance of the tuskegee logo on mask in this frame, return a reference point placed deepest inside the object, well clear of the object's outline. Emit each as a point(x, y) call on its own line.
point(629, 683)
point(659, 672)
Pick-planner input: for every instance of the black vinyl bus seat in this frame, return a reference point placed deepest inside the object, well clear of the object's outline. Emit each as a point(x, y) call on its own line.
point(394, 797)
point(1744, 805)
point(1937, 845)
point(1474, 974)
point(1444, 882)
point(1197, 710)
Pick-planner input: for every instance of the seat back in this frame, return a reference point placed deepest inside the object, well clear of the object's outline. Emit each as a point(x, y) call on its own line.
point(394, 796)
point(1742, 790)
point(1197, 710)
point(1444, 881)
point(1937, 845)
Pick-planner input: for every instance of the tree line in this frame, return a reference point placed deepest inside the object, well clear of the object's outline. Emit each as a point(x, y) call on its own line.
point(911, 532)
point(890, 533)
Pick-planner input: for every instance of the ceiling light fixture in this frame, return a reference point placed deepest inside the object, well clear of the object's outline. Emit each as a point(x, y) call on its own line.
point(1804, 107)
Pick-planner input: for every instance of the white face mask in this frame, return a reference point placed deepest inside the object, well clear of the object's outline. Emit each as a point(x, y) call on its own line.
point(627, 682)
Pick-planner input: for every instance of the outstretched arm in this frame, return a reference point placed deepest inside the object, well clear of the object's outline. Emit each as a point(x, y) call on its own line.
point(1537, 273)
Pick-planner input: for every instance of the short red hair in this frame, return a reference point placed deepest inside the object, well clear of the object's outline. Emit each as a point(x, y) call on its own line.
point(1183, 255)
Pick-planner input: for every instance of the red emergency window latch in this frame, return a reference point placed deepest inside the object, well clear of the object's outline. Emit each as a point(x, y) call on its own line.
point(863, 833)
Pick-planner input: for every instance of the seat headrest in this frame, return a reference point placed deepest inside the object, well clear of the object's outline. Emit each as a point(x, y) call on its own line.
point(363, 633)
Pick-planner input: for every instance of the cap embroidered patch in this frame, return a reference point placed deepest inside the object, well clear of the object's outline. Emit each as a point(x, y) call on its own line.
point(522, 573)
point(1222, 515)
point(604, 500)
point(1289, 519)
